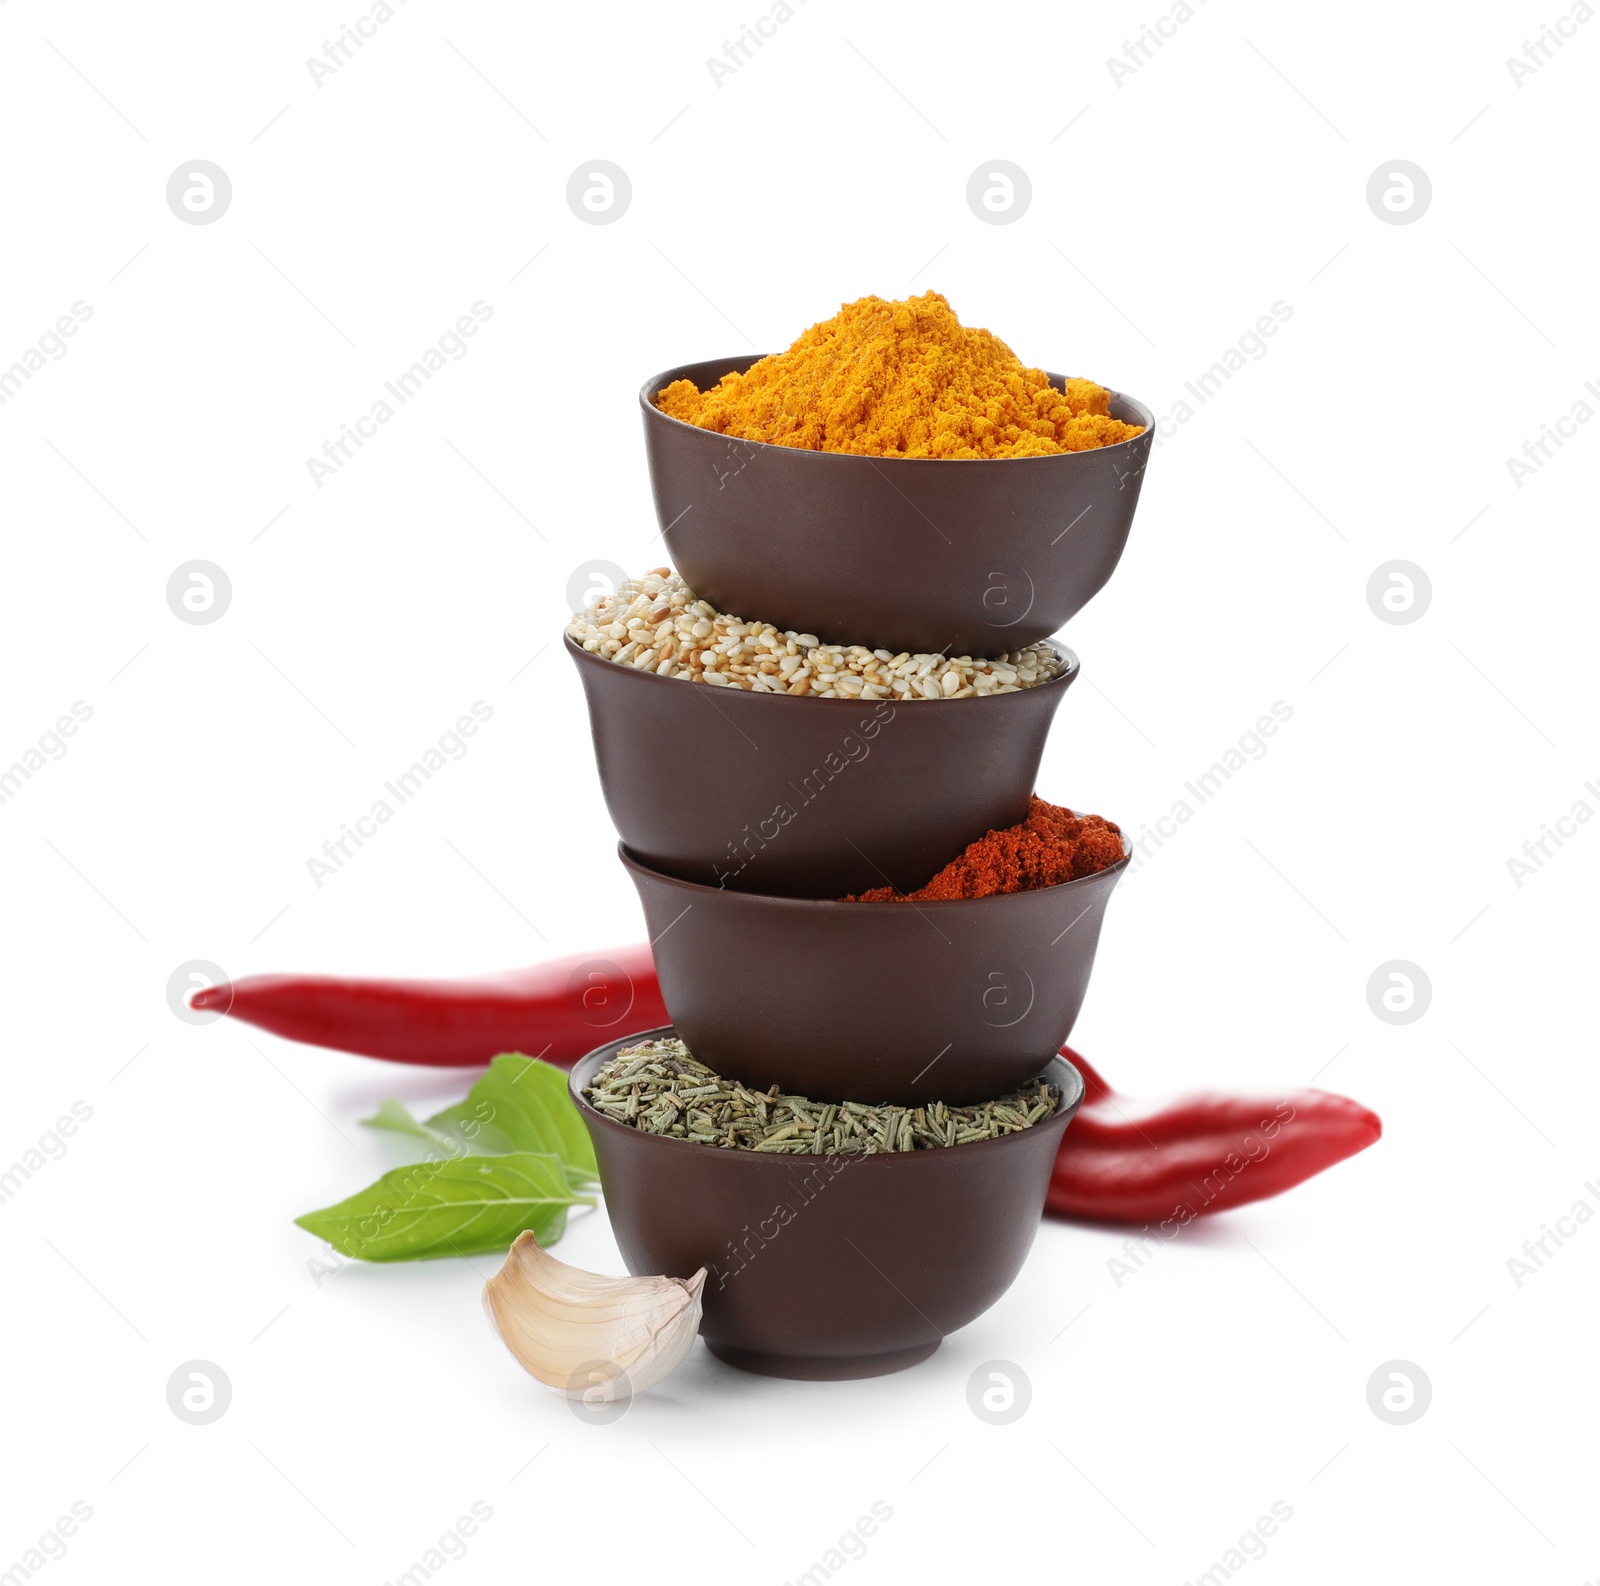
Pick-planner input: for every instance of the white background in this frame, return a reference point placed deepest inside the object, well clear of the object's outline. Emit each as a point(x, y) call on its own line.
point(1224, 175)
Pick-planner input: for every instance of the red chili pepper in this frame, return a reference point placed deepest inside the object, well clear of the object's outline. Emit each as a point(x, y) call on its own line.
point(1125, 1161)
point(557, 1010)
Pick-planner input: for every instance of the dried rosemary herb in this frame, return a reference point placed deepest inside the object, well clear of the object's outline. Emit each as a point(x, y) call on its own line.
point(658, 1087)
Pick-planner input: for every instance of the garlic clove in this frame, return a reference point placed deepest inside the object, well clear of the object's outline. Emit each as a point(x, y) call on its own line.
point(591, 1336)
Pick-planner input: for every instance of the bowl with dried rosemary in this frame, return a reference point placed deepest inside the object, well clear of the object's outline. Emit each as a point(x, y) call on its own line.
point(841, 1240)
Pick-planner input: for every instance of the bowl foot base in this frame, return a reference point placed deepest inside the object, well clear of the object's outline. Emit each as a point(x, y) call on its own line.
point(823, 1368)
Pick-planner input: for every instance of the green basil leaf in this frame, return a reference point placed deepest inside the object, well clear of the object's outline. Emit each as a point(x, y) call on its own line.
point(393, 1114)
point(470, 1205)
point(520, 1104)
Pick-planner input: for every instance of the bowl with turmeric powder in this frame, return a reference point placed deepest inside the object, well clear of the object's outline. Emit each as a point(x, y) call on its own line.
point(896, 479)
point(957, 989)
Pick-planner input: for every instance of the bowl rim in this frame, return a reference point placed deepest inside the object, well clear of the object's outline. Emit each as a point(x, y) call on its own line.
point(661, 381)
point(632, 862)
point(1067, 676)
point(1061, 1071)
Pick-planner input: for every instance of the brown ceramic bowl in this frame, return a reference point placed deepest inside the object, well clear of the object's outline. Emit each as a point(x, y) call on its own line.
point(874, 1002)
point(825, 1267)
point(818, 797)
point(898, 553)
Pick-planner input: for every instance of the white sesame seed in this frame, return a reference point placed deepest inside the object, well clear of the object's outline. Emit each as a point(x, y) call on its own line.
point(657, 624)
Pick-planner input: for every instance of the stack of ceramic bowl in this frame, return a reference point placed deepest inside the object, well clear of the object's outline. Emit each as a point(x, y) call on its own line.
point(744, 817)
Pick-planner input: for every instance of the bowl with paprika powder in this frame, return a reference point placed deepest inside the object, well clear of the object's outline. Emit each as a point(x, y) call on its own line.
point(767, 792)
point(955, 991)
point(889, 445)
point(828, 1267)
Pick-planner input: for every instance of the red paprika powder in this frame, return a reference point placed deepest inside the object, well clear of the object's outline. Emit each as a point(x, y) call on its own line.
point(1051, 846)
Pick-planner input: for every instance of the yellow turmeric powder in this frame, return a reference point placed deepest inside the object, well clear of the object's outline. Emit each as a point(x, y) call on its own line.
point(901, 379)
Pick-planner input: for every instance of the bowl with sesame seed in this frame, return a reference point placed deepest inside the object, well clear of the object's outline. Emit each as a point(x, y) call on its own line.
point(740, 755)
